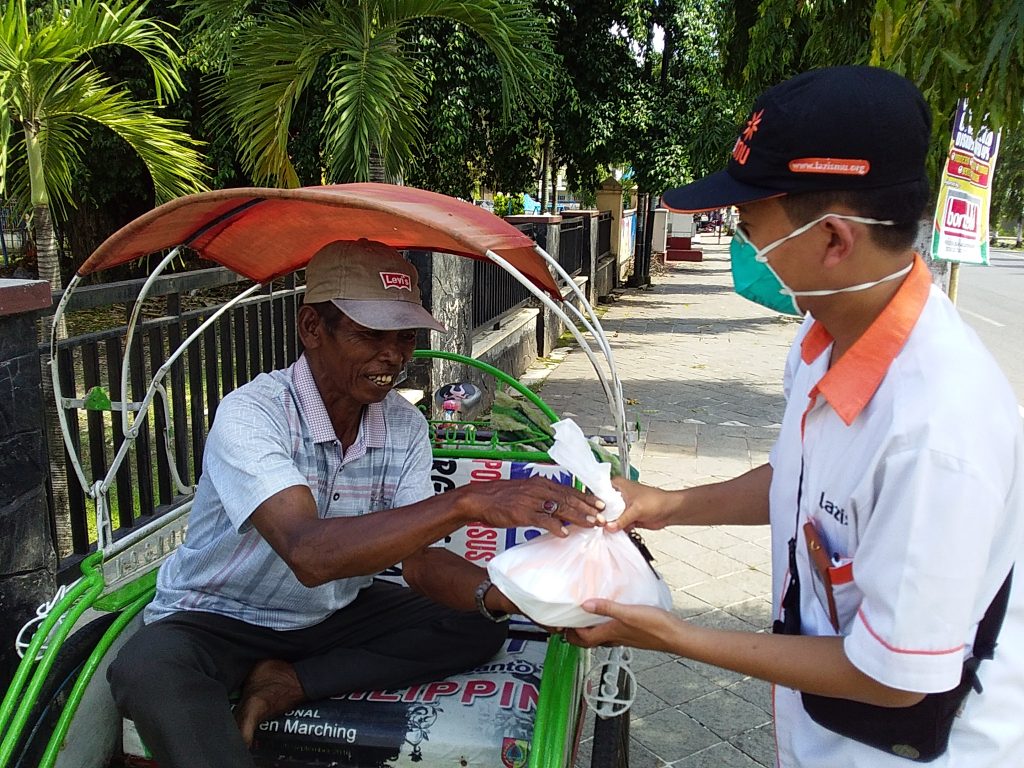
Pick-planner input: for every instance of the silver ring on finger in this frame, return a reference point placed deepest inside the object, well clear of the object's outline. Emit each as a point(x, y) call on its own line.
point(550, 507)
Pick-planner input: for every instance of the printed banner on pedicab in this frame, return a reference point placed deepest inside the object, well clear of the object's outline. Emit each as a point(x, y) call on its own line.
point(477, 542)
point(960, 228)
point(483, 717)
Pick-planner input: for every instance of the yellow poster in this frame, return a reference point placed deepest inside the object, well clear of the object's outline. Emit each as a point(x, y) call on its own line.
point(960, 229)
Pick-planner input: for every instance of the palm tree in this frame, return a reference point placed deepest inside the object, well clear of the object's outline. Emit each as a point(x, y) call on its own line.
point(50, 93)
point(364, 51)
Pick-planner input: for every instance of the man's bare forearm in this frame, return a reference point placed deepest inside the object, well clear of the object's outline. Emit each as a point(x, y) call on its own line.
point(451, 580)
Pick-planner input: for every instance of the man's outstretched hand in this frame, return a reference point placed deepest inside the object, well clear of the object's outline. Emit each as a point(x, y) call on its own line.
point(537, 502)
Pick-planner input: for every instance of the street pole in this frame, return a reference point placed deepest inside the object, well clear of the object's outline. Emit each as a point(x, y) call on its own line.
point(954, 281)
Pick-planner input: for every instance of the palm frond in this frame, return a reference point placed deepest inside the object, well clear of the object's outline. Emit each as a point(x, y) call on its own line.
point(273, 66)
point(170, 154)
point(375, 98)
point(61, 140)
point(512, 30)
point(90, 25)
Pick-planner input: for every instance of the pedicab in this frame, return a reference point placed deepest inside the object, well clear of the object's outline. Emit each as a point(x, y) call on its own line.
point(525, 707)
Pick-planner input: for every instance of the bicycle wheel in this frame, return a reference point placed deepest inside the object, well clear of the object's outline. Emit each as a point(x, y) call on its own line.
point(611, 738)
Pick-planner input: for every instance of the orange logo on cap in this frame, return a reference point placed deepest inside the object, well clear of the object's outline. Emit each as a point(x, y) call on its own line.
point(741, 151)
point(398, 280)
point(842, 166)
point(752, 125)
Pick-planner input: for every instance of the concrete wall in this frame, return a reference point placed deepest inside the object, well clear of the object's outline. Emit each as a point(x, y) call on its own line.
point(28, 560)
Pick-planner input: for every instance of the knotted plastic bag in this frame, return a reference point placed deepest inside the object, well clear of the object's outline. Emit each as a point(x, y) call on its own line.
point(550, 577)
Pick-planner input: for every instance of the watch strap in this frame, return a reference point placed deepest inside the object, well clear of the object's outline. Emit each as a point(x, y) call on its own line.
point(481, 591)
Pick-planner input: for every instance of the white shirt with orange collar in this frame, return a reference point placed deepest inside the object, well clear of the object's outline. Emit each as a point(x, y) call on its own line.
point(913, 474)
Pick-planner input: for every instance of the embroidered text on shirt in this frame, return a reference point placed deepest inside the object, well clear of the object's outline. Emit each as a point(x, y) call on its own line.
point(838, 513)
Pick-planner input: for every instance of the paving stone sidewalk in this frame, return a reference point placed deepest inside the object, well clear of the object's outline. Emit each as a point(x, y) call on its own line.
point(701, 369)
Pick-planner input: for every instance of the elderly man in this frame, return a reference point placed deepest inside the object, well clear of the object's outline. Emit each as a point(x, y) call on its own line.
point(314, 479)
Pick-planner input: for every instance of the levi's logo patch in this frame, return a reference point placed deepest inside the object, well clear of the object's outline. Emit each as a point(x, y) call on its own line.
point(842, 166)
point(398, 280)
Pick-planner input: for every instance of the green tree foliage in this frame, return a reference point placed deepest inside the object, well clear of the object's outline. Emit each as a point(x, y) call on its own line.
point(374, 87)
point(469, 140)
point(955, 49)
point(508, 205)
point(595, 92)
point(1008, 183)
point(685, 119)
point(769, 41)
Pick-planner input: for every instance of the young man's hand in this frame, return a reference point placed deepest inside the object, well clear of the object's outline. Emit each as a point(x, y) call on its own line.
point(638, 626)
point(646, 507)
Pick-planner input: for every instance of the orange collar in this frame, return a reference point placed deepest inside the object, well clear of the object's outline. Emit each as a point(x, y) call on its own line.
point(853, 380)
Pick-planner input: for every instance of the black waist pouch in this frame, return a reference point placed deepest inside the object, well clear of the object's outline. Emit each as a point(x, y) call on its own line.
point(920, 732)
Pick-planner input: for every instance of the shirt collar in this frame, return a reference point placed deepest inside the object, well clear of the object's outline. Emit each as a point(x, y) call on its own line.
point(853, 380)
point(372, 430)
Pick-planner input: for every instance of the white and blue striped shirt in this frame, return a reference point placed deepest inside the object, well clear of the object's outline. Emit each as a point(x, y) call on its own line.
point(269, 435)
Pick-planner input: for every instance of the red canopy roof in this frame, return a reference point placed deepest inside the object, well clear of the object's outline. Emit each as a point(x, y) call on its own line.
point(266, 233)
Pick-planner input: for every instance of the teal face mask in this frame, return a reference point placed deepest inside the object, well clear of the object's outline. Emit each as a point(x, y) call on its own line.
point(754, 278)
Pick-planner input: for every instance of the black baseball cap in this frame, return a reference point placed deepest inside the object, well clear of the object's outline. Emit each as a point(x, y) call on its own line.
point(839, 128)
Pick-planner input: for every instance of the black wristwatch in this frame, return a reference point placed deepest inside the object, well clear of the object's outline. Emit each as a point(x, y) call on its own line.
point(481, 606)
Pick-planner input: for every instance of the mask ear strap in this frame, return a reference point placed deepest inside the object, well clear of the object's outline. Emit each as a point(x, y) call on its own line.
point(858, 287)
point(762, 255)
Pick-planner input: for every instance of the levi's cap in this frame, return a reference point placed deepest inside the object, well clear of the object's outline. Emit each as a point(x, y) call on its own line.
point(370, 282)
point(839, 128)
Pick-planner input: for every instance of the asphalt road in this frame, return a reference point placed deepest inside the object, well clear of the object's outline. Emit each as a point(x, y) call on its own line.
point(991, 300)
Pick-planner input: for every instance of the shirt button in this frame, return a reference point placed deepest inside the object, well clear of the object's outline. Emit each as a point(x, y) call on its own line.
point(337, 496)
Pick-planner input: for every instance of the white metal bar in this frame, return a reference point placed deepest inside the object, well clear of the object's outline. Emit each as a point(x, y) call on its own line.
point(115, 405)
point(133, 432)
point(104, 528)
point(619, 406)
point(172, 463)
point(62, 416)
point(548, 302)
point(132, 324)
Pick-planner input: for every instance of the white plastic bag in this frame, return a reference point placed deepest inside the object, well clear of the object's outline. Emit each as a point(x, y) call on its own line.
point(550, 577)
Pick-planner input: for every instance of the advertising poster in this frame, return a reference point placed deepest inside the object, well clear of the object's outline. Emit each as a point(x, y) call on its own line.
point(483, 717)
point(961, 226)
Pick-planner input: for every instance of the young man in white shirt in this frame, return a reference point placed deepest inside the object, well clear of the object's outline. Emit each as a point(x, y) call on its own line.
point(895, 488)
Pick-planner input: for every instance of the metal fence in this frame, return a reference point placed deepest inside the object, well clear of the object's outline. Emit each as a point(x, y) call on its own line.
point(496, 293)
point(604, 233)
point(256, 336)
point(13, 234)
point(571, 246)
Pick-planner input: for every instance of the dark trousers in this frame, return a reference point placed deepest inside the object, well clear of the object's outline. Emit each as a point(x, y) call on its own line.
point(173, 678)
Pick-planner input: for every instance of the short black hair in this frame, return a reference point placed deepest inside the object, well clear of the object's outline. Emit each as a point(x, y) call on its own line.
point(904, 204)
point(329, 314)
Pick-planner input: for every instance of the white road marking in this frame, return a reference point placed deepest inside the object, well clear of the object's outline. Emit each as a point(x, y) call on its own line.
point(1020, 410)
point(981, 317)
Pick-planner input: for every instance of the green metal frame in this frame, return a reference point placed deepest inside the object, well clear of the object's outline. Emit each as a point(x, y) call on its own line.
point(558, 706)
point(559, 699)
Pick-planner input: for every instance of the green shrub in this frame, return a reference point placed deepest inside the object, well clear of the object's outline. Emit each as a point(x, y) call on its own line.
point(508, 205)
